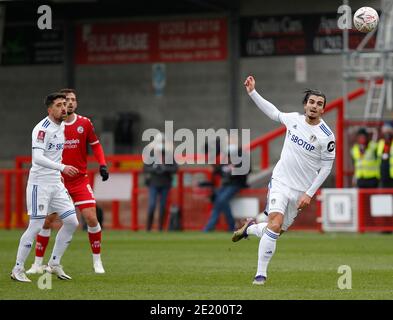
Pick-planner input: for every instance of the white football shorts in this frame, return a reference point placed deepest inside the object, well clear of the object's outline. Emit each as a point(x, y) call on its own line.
point(42, 200)
point(283, 199)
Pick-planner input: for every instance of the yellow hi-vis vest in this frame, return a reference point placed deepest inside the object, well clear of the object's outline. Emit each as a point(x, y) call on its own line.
point(381, 146)
point(367, 164)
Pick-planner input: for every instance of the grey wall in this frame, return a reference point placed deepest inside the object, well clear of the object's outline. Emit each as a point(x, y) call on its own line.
point(22, 93)
point(195, 96)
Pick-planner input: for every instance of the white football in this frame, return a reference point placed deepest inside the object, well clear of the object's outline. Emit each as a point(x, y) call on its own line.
point(365, 19)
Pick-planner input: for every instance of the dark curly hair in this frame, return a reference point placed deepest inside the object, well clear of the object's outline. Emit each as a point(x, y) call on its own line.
point(50, 98)
point(309, 92)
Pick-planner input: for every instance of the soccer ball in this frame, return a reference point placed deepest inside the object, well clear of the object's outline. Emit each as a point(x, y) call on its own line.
point(365, 19)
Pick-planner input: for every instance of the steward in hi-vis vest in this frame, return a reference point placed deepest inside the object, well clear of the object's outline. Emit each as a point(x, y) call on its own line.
point(366, 162)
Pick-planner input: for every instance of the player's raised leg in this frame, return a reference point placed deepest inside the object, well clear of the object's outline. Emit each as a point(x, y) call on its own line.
point(242, 232)
point(250, 227)
point(257, 229)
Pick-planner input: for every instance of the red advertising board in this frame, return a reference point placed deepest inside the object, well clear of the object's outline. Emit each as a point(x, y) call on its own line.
point(164, 41)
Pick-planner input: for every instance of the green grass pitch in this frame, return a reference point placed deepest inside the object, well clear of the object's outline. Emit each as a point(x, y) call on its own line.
point(200, 266)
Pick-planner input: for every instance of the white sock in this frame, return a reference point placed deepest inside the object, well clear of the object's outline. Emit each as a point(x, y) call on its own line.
point(38, 261)
point(63, 238)
point(257, 229)
point(95, 229)
point(27, 240)
point(96, 257)
point(45, 232)
point(267, 247)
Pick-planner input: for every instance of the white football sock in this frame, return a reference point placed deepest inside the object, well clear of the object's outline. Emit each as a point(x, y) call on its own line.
point(27, 240)
point(96, 257)
point(95, 229)
point(267, 247)
point(38, 261)
point(63, 238)
point(256, 229)
point(45, 232)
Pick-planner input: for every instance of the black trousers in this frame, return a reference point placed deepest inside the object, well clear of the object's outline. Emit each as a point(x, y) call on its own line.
point(367, 183)
point(387, 183)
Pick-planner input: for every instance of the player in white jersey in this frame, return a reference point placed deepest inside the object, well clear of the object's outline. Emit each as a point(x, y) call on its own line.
point(45, 192)
point(306, 160)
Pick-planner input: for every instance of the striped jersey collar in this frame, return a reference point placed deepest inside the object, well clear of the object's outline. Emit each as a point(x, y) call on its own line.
point(325, 129)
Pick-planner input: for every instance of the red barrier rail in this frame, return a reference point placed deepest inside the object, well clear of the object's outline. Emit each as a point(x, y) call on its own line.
point(113, 160)
point(366, 222)
point(15, 183)
point(7, 200)
point(13, 178)
point(191, 198)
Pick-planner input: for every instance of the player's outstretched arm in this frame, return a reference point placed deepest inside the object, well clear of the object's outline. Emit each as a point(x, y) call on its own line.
point(39, 158)
point(266, 107)
point(327, 158)
point(98, 152)
point(304, 201)
point(324, 172)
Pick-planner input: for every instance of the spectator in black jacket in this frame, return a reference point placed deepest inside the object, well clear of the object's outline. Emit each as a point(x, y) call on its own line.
point(231, 184)
point(159, 176)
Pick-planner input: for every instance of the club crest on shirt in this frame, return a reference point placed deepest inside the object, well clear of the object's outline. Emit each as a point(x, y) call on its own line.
point(80, 129)
point(41, 136)
point(313, 138)
point(331, 145)
point(273, 201)
point(41, 207)
point(294, 126)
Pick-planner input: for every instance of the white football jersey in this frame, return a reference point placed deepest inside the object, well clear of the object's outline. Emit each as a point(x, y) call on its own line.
point(49, 137)
point(305, 147)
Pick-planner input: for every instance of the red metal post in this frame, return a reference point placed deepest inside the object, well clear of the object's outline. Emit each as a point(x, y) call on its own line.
point(115, 215)
point(134, 201)
point(19, 195)
point(7, 200)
